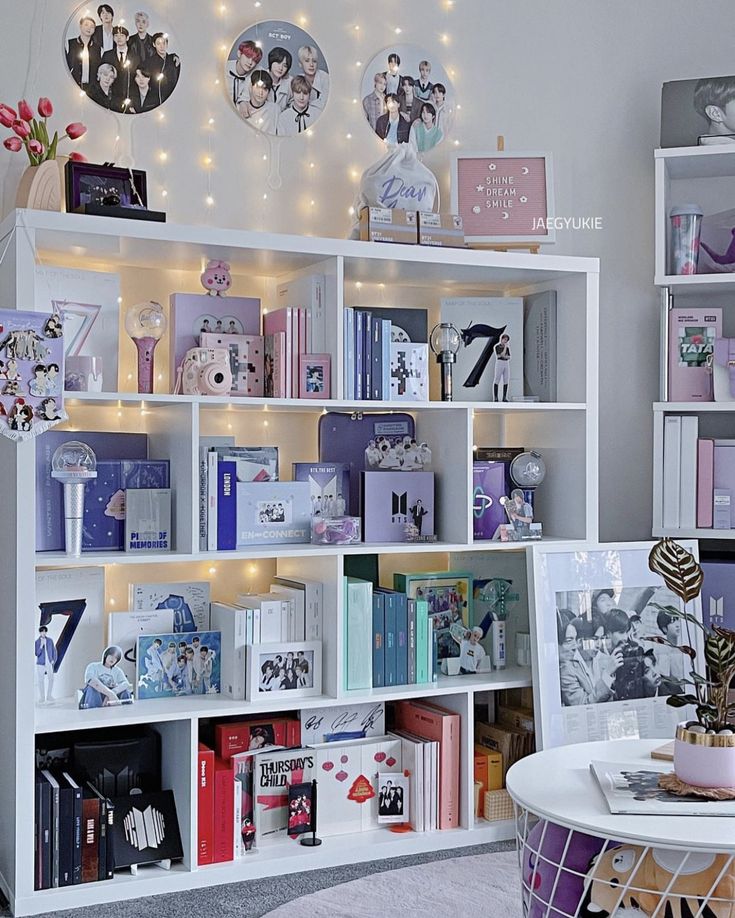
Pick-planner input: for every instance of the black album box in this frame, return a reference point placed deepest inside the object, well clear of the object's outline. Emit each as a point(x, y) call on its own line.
point(146, 829)
point(117, 765)
point(127, 213)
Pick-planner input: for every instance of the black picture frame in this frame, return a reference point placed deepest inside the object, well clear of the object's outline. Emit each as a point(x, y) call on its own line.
point(86, 184)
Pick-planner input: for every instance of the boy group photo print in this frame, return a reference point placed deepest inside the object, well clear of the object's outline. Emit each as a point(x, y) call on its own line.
point(407, 98)
point(124, 60)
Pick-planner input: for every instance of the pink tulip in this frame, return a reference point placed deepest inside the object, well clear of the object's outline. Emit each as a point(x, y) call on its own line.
point(25, 111)
point(14, 144)
point(77, 157)
point(21, 128)
point(75, 129)
point(45, 108)
point(7, 115)
point(36, 147)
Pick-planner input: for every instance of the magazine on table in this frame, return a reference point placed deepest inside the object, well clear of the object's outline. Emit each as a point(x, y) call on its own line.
point(632, 790)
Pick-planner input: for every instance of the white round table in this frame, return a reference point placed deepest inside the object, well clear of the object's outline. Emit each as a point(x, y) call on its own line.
point(577, 859)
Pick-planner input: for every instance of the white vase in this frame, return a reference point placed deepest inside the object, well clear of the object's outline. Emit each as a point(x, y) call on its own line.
point(704, 759)
point(41, 187)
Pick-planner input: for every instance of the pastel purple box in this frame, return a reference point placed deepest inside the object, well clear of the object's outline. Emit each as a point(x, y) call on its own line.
point(393, 500)
point(718, 594)
point(488, 486)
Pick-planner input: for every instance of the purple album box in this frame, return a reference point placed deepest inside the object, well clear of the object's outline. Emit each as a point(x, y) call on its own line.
point(329, 483)
point(195, 313)
point(50, 492)
point(488, 486)
point(394, 503)
point(718, 594)
point(104, 498)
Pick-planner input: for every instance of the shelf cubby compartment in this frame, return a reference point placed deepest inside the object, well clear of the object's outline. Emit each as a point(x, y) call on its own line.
point(693, 175)
point(170, 429)
point(563, 501)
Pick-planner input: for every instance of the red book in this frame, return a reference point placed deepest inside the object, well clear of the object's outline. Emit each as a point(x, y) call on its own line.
point(205, 805)
point(224, 811)
point(434, 723)
point(249, 735)
point(90, 839)
point(293, 732)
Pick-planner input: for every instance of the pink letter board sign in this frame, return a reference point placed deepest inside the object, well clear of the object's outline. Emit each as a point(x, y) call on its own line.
point(504, 197)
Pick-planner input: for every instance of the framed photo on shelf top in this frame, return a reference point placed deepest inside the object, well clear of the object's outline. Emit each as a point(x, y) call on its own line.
point(599, 671)
point(504, 197)
point(285, 670)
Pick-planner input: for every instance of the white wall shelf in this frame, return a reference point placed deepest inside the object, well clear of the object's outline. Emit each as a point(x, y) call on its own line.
point(703, 175)
point(153, 260)
point(691, 175)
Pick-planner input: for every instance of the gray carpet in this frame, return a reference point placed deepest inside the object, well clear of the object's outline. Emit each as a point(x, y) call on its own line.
point(256, 898)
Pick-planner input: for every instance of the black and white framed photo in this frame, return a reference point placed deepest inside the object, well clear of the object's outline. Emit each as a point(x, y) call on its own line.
point(393, 799)
point(277, 78)
point(124, 57)
point(698, 112)
point(284, 669)
point(407, 97)
point(606, 657)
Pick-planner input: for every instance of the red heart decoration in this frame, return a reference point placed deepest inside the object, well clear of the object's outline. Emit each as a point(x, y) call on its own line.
point(341, 776)
point(379, 756)
point(328, 766)
point(390, 762)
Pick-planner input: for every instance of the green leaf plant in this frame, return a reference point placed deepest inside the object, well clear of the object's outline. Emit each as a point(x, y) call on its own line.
point(709, 695)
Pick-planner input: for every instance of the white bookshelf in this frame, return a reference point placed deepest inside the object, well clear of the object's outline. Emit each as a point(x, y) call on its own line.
point(703, 175)
point(154, 260)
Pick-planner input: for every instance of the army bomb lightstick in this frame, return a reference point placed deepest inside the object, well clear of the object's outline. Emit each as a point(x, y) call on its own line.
point(146, 324)
point(445, 342)
point(527, 471)
point(73, 464)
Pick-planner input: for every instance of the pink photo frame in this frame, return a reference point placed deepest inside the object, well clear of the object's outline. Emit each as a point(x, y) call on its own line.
point(315, 376)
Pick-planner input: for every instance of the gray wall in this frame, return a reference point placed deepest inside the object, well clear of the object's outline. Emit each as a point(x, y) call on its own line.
point(581, 78)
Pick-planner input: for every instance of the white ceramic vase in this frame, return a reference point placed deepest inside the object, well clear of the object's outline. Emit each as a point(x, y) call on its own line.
point(41, 187)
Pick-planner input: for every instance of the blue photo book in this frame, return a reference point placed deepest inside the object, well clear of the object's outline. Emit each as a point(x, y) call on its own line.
point(104, 499)
point(50, 492)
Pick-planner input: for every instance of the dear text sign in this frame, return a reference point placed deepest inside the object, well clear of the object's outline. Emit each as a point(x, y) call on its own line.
point(504, 198)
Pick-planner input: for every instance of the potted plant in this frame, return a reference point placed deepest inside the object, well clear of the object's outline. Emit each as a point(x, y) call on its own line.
point(704, 749)
point(41, 184)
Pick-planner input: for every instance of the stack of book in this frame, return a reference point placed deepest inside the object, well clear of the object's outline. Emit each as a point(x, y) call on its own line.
point(386, 354)
point(225, 802)
point(434, 733)
point(389, 638)
point(698, 477)
point(292, 611)
point(64, 854)
point(246, 772)
point(241, 500)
